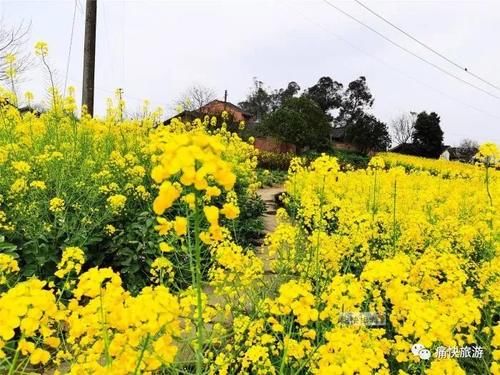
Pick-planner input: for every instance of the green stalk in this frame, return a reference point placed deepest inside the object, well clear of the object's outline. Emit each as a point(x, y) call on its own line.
point(490, 198)
point(64, 288)
point(14, 360)
point(374, 203)
point(199, 324)
point(105, 331)
point(141, 355)
point(394, 217)
point(283, 357)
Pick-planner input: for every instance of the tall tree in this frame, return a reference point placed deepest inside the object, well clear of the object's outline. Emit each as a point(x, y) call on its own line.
point(427, 135)
point(299, 121)
point(195, 97)
point(14, 59)
point(357, 98)
point(280, 96)
point(368, 134)
point(258, 102)
point(402, 128)
point(327, 94)
point(467, 149)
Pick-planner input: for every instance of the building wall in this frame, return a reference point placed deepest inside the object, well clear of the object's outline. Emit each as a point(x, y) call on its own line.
point(445, 155)
point(273, 145)
point(218, 107)
point(344, 146)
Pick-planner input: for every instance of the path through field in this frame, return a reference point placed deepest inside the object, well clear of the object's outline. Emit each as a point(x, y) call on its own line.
point(268, 195)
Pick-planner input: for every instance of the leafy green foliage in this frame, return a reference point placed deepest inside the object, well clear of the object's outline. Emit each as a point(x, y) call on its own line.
point(368, 134)
point(347, 159)
point(271, 177)
point(274, 161)
point(327, 94)
point(356, 100)
point(299, 121)
point(249, 225)
point(427, 135)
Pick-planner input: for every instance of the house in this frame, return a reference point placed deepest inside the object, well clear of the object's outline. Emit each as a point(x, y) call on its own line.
point(337, 139)
point(405, 148)
point(214, 108)
point(463, 154)
point(449, 153)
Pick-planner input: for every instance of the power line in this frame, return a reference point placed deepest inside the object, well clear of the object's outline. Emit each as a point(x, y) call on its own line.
point(396, 69)
point(80, 7)
point(461, 67)
point(70, 47)
point(409, 51)
point(126, 96)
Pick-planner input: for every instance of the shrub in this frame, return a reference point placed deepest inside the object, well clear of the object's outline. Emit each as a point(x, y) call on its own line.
point(274, 161)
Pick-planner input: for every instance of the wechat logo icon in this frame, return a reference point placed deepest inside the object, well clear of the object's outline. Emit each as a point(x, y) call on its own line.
point(421, 351)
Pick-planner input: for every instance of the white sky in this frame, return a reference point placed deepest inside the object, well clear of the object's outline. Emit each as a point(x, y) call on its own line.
point(156, 49)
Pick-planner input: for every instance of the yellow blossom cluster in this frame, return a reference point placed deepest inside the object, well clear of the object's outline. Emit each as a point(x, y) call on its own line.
point(71, 261)
point(8, 265)
point(56, 205)
point(363, 263)
point(111, 331)
point(30, 312)
point(410, 241)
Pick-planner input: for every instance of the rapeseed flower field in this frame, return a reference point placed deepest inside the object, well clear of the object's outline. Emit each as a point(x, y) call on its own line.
point(123, 252)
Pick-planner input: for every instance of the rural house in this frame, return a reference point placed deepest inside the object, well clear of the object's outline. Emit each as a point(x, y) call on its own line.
point(337, 139)
point(214, 108)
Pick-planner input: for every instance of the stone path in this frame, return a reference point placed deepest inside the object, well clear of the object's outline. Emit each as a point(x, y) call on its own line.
point(268, 195)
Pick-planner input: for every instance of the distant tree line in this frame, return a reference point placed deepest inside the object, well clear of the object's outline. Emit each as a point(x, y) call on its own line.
point(305, 118)
point(421, 134)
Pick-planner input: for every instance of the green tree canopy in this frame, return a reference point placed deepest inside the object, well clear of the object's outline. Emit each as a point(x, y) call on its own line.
point(258, 102)
point(356, 100)
point(299, 121)
point(368, 134)
point(327, 94)
point(427, 135)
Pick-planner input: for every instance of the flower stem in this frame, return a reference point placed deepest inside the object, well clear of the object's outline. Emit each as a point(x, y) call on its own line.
point(199, 303)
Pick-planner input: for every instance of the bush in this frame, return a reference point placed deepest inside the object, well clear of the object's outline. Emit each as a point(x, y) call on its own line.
point(274, 161)
point(269, 178)
point(349, 159)
point(346, 159)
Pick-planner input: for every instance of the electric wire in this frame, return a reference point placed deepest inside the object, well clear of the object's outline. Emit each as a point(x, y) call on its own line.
point(442, 70)
point(460, 66)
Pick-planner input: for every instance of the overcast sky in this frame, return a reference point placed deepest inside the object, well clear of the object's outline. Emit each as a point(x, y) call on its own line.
point(156, 49)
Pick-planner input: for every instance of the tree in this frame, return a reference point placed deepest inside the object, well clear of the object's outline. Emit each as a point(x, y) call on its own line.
point(467, 149)
point(356, 99)
point(327, 94)
point(299, 121)
point(278, 97)
point(258, 102)
point(14, 60)
point(368, 134)
point(427, 135)
point(195, 97)
point(402, 128)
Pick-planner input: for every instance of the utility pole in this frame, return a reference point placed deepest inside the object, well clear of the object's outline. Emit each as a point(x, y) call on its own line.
point(120, 102)
point(89, 56)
